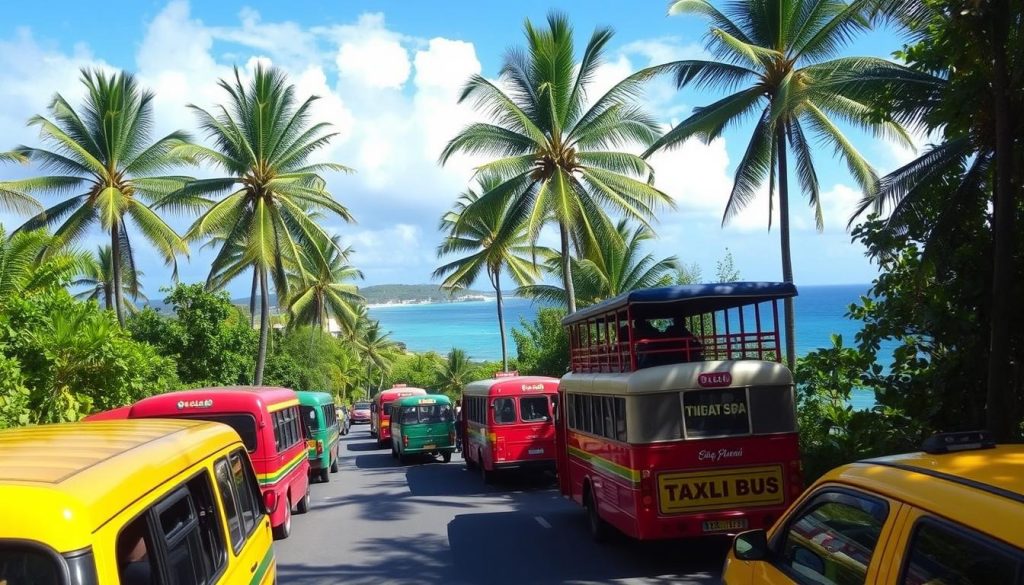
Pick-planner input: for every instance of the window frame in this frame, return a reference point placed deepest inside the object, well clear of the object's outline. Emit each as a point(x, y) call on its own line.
point(967, 533)
point(826, 495)
point(515, 412)
point(548, 411)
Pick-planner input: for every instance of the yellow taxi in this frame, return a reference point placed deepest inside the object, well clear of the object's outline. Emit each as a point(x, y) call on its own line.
point(950, 515)
point(131, 501)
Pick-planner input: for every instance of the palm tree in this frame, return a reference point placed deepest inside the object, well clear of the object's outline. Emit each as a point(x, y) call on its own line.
point(103, 154)
point(793, 76)
point(98, 280)
point(490, 248)
point(22, 273)
point(320, 291)
point(263, 141)
point(557, 157)
point(15, 200)
point(615, 267)
point(373, 346)
point(454, 374)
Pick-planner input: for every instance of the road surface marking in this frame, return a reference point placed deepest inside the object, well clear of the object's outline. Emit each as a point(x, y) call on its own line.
point(542, 521)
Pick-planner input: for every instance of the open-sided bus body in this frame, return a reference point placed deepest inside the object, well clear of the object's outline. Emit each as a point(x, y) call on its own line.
point(509, 423)
point(268, 421)
point(321, 419)
point(380, 411)
point(677, 419)
point(76, 499)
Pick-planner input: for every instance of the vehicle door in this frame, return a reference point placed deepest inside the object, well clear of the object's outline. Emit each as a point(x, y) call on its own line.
point(836, 536)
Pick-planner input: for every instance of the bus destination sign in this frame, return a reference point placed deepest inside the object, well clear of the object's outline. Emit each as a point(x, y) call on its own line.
point(715, 379)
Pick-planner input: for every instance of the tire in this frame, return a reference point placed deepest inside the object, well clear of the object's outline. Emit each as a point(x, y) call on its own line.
point(334, 465)
point(470, 464)
point(303, 506)
point(284, 530)
point(325, 475)
point(597, 526)
point(394, 452)
point(447, 456)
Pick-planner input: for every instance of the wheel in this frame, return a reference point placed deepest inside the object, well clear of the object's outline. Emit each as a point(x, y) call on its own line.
point(303, 505)
point(470, 464)
point(487, 476)
point(334, 465)
point(394, 452)
point(598, 527)
point(447, 456)
point(325, 475)
point(284, 530)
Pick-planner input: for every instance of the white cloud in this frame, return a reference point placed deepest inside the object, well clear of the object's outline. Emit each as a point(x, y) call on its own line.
point(393, 101)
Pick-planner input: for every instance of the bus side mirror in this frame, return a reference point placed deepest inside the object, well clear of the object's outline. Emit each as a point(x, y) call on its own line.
point(751, 545)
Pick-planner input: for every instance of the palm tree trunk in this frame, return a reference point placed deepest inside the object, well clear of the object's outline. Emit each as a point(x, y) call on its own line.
point(115, 258)
point(261, 357)
point(501, 320)
point(252, 297)
point(570, 290)
point(999, 404)
point(787, 260)
point(108, 296)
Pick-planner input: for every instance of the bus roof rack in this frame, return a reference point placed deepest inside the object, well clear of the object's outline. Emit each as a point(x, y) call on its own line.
point(959, 441)
point(704, 298)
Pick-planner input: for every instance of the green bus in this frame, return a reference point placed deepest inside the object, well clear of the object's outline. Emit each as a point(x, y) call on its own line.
point(323, 432)
point(422, 424)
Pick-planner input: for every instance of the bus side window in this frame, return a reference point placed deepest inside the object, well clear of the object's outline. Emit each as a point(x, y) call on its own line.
point(570, 408)
point(620, 419)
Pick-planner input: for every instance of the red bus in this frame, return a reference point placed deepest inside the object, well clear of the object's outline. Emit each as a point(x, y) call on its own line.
point(508, 423)
point(380, 411)
point(677, 419)
point(268, 421)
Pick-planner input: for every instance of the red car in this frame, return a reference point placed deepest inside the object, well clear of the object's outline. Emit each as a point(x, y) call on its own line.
point(361, 413)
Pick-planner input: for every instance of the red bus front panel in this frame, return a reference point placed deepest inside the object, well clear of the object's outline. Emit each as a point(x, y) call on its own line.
point(511, 425)
point(686, 488)
point(382, 415)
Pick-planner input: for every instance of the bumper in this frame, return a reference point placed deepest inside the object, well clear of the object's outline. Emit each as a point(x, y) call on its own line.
point(539, 465)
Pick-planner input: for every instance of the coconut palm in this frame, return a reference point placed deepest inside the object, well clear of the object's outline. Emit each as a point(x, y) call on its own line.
point(263, 140)
point(98, 280)
point(783, 54)
point(557, 156)
point(374, 347)
point(320, 291)
point(15, 200)
point(22, 273)
point(102, 154)
point(614, 267)
point(490, 248)
point(454, 373)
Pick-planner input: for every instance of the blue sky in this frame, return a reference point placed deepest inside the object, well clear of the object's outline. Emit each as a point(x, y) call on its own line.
point(389, 73)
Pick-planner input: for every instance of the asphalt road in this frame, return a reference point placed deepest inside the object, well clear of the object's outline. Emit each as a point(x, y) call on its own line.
point(429, 522)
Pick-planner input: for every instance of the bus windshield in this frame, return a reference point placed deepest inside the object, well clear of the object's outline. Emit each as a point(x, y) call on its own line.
point(427, 414)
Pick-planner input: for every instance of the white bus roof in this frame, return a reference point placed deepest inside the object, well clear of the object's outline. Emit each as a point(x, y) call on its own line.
point(675, 377)
point(514, 385)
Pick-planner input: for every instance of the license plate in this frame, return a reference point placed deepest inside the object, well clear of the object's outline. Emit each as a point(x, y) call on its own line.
point(431, 446)
point(681, 492)
point(724, 525)
point(536, 451)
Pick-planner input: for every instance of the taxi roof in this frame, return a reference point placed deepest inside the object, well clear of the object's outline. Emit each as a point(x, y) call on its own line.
point(60, 483)
point(307, 397)
point(508, 385)
point(972, 487)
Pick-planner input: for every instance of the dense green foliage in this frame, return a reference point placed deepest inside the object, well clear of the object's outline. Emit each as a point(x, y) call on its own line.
point(64, 358)
point(208, 338)
point(304, 358)
point(543, 346)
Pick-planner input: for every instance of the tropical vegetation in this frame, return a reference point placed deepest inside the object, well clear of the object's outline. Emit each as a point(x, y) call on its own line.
point(556, 151)
point(791, 78)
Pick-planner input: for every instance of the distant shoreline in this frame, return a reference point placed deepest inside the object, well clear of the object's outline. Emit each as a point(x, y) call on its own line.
point(420, 303)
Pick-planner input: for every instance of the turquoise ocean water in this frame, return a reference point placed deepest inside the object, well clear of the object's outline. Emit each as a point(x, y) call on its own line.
point(473, 325)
